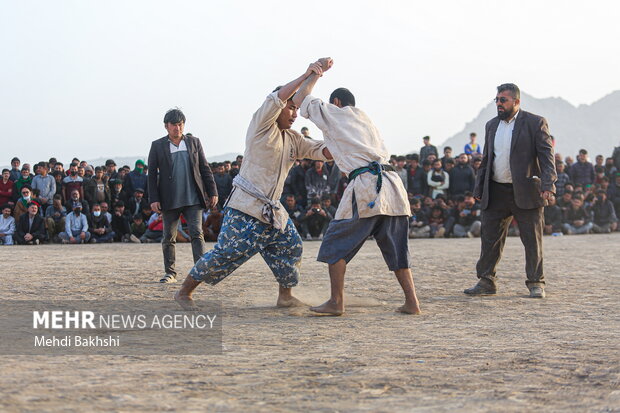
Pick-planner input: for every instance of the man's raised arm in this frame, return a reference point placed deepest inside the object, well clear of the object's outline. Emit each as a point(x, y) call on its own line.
point(286, 91)
point(309, 82)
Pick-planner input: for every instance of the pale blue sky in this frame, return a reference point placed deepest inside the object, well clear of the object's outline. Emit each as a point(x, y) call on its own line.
point(94, 78)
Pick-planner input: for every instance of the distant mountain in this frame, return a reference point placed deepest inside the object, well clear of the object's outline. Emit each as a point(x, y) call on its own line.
point(594, 127)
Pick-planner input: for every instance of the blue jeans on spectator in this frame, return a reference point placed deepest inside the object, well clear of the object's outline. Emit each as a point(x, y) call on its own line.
point(193, 217)
point(76, 235)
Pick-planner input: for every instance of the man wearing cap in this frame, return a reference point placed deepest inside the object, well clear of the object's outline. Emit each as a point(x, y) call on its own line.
point(375, 201)
point(76, 227)
point(30, 229)
point(136, 179)
point(180, 182)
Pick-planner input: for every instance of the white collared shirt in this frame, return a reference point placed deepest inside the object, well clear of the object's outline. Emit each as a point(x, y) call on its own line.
point(501, 150)
point(182, 146)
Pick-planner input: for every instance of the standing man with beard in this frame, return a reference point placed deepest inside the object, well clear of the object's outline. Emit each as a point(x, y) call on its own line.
point(254, 219)
point(516, 178)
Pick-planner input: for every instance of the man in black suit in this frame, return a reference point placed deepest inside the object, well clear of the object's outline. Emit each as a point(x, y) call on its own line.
point(515, 179)
point(180, 181)
point(30, 229)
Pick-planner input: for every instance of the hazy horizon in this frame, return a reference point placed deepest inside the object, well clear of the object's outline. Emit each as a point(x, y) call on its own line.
point(93, 79)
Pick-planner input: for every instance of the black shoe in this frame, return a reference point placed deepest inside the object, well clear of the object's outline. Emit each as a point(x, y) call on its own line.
point(482, 288)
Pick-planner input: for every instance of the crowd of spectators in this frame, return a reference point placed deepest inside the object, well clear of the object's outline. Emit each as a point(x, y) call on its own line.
point(81, 203)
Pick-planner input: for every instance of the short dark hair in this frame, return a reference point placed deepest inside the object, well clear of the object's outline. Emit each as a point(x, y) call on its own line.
point(415, 157)
point(5, 170)
point(174, 116)
point(510, 87)
point(28, 187)
point(414, 201)
point(344, 95)
point(15, 159)
point(5, 206)
point(473, 134)
point(446, 148)
point(468, 194)
point(304, 128)
point(315, 200)
point(57, 197)
point(400, 159)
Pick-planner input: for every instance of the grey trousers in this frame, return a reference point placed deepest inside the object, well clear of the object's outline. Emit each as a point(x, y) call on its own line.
point(193, 217)
point(495, 222)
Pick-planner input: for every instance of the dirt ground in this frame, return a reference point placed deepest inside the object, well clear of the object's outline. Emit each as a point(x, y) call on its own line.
point(506, 353)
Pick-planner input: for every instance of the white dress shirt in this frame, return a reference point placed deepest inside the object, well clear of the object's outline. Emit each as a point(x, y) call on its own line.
point(501, 150)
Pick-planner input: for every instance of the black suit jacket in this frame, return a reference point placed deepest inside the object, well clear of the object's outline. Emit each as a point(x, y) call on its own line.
point(532, 162)
point(160, 172)
point(37, 229)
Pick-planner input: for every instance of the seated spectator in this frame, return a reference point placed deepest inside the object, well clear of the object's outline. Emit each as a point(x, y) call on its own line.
point(436, 221)
point(576, 219)
point(294, 211)
point(30, 228)
point(213, 224)
point(315, 220)
point(55, 217)
point(6, 188)
point(326, 203)
point(438, 180)
point(7, 226)
point(146, 213)
point(96, 189)
point(553, 218)
point(76, 227)
point(613, 191)
point(182, 235)
point(137, 202)
point(599, 174)
point(566, 200)
point(418, 221)
point(121, 224)
point(21, 206)
point(467, 217)
point(105, 210)
point(138, 226)
point(100, 228)
point(603, 214)
point(76, 198)
point(154, 230)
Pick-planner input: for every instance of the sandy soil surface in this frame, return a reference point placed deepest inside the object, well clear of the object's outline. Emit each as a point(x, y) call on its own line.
point(506, 353)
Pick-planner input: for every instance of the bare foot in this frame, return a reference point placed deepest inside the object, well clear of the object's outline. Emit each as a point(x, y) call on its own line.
point(185, 301)
point(287, 302)
point(409, 309)
point(329, 307)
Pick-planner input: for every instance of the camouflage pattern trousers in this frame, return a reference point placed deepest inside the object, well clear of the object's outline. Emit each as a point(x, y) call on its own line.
point(243, 236)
